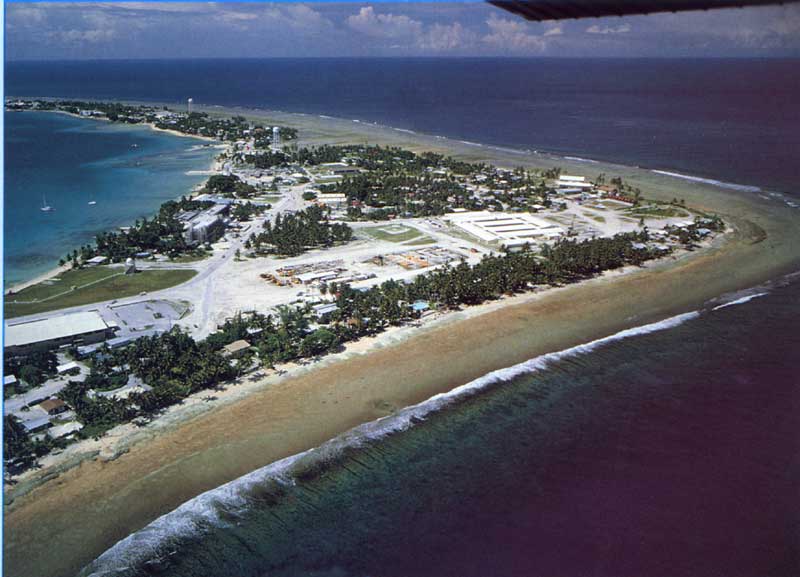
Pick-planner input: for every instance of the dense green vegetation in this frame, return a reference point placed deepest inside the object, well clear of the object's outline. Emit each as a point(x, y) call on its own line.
point(163, 234)
point(31, 371)
point(20, 451)
point(245, 211)
point(294, 233)
point(394, 181)
point(173, 364)
point(194, 123)
point(229, 185)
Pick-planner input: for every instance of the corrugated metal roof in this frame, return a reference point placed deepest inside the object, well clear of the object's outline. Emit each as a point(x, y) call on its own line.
point(51, 328)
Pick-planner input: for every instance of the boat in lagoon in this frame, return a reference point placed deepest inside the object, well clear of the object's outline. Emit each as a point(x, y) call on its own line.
point(46, 207)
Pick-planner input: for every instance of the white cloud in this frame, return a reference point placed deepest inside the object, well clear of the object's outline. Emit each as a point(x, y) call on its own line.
point(402, 32)
point(515, 36)
point(443, 38)
point(384, 25)
point(302, 17)
point(621, 29)
point(74, 36)
point(765, 28)
point(24, 15)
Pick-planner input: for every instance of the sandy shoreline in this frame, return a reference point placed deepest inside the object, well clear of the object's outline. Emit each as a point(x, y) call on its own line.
point(258, 423)
point(120, 439)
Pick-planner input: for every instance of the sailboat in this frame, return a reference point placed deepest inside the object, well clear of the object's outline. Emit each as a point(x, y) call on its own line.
point(46, 207)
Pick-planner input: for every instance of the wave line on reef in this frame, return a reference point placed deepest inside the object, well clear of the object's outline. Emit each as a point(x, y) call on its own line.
point(740, 301)
point(719, 183)
point(206, 511)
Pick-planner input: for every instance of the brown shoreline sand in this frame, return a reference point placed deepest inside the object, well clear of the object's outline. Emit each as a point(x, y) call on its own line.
point(60, 526)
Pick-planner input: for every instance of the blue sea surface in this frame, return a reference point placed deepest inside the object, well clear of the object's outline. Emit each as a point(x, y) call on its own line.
point(731, 120)
point(669, 450)
point(67, 162)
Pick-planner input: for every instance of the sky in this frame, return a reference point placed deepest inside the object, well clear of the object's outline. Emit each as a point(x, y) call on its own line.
point(124, 30)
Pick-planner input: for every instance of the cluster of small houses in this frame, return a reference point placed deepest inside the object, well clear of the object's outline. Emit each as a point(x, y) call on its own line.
point(50, 415)
point(39, 410)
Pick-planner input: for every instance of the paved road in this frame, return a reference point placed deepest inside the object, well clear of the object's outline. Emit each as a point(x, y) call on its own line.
point(199, 289)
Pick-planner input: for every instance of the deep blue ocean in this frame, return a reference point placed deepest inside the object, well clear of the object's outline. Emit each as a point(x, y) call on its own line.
point(732, 120)
point(68, 162)
point(670, 450)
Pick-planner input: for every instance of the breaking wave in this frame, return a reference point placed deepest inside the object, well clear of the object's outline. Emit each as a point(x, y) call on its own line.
point(579, 159)
point(719, 183)
point(740, 300)
point(218, 507)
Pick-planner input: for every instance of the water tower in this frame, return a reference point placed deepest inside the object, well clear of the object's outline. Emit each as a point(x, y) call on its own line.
point(276, 138)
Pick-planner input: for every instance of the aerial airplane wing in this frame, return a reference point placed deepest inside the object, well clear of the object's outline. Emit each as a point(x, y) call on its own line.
point(567, 9)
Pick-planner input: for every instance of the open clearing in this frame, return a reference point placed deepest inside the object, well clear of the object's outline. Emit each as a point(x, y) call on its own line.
point(420, 241)
point(92, 285)
point(393, 232)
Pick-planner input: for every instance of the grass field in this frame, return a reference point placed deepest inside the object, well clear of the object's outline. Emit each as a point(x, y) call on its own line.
point(91, 286)
point(393, 232)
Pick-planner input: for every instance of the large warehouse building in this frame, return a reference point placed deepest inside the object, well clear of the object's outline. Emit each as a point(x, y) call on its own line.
point(50, 333)
point(507, 229)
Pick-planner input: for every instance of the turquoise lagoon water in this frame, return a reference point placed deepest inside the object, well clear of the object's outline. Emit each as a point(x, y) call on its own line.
point(128, 171)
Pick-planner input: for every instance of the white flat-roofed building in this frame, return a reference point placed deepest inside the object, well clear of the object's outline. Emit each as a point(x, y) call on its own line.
point(323, 309)
point(94, 261)
point(506, 229)
point(49, 333)
point(59, 431)
point(332, 198)
point(578, 182)
point(60, 369)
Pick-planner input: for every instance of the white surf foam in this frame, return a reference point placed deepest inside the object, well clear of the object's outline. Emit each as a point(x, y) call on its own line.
point(579, 159)
point(204, 510)
point(719, 183)
point(740, 301)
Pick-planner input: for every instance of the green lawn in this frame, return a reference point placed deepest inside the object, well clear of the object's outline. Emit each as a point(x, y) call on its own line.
point(91, 286)
point(64, 283)
point(401, 233)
